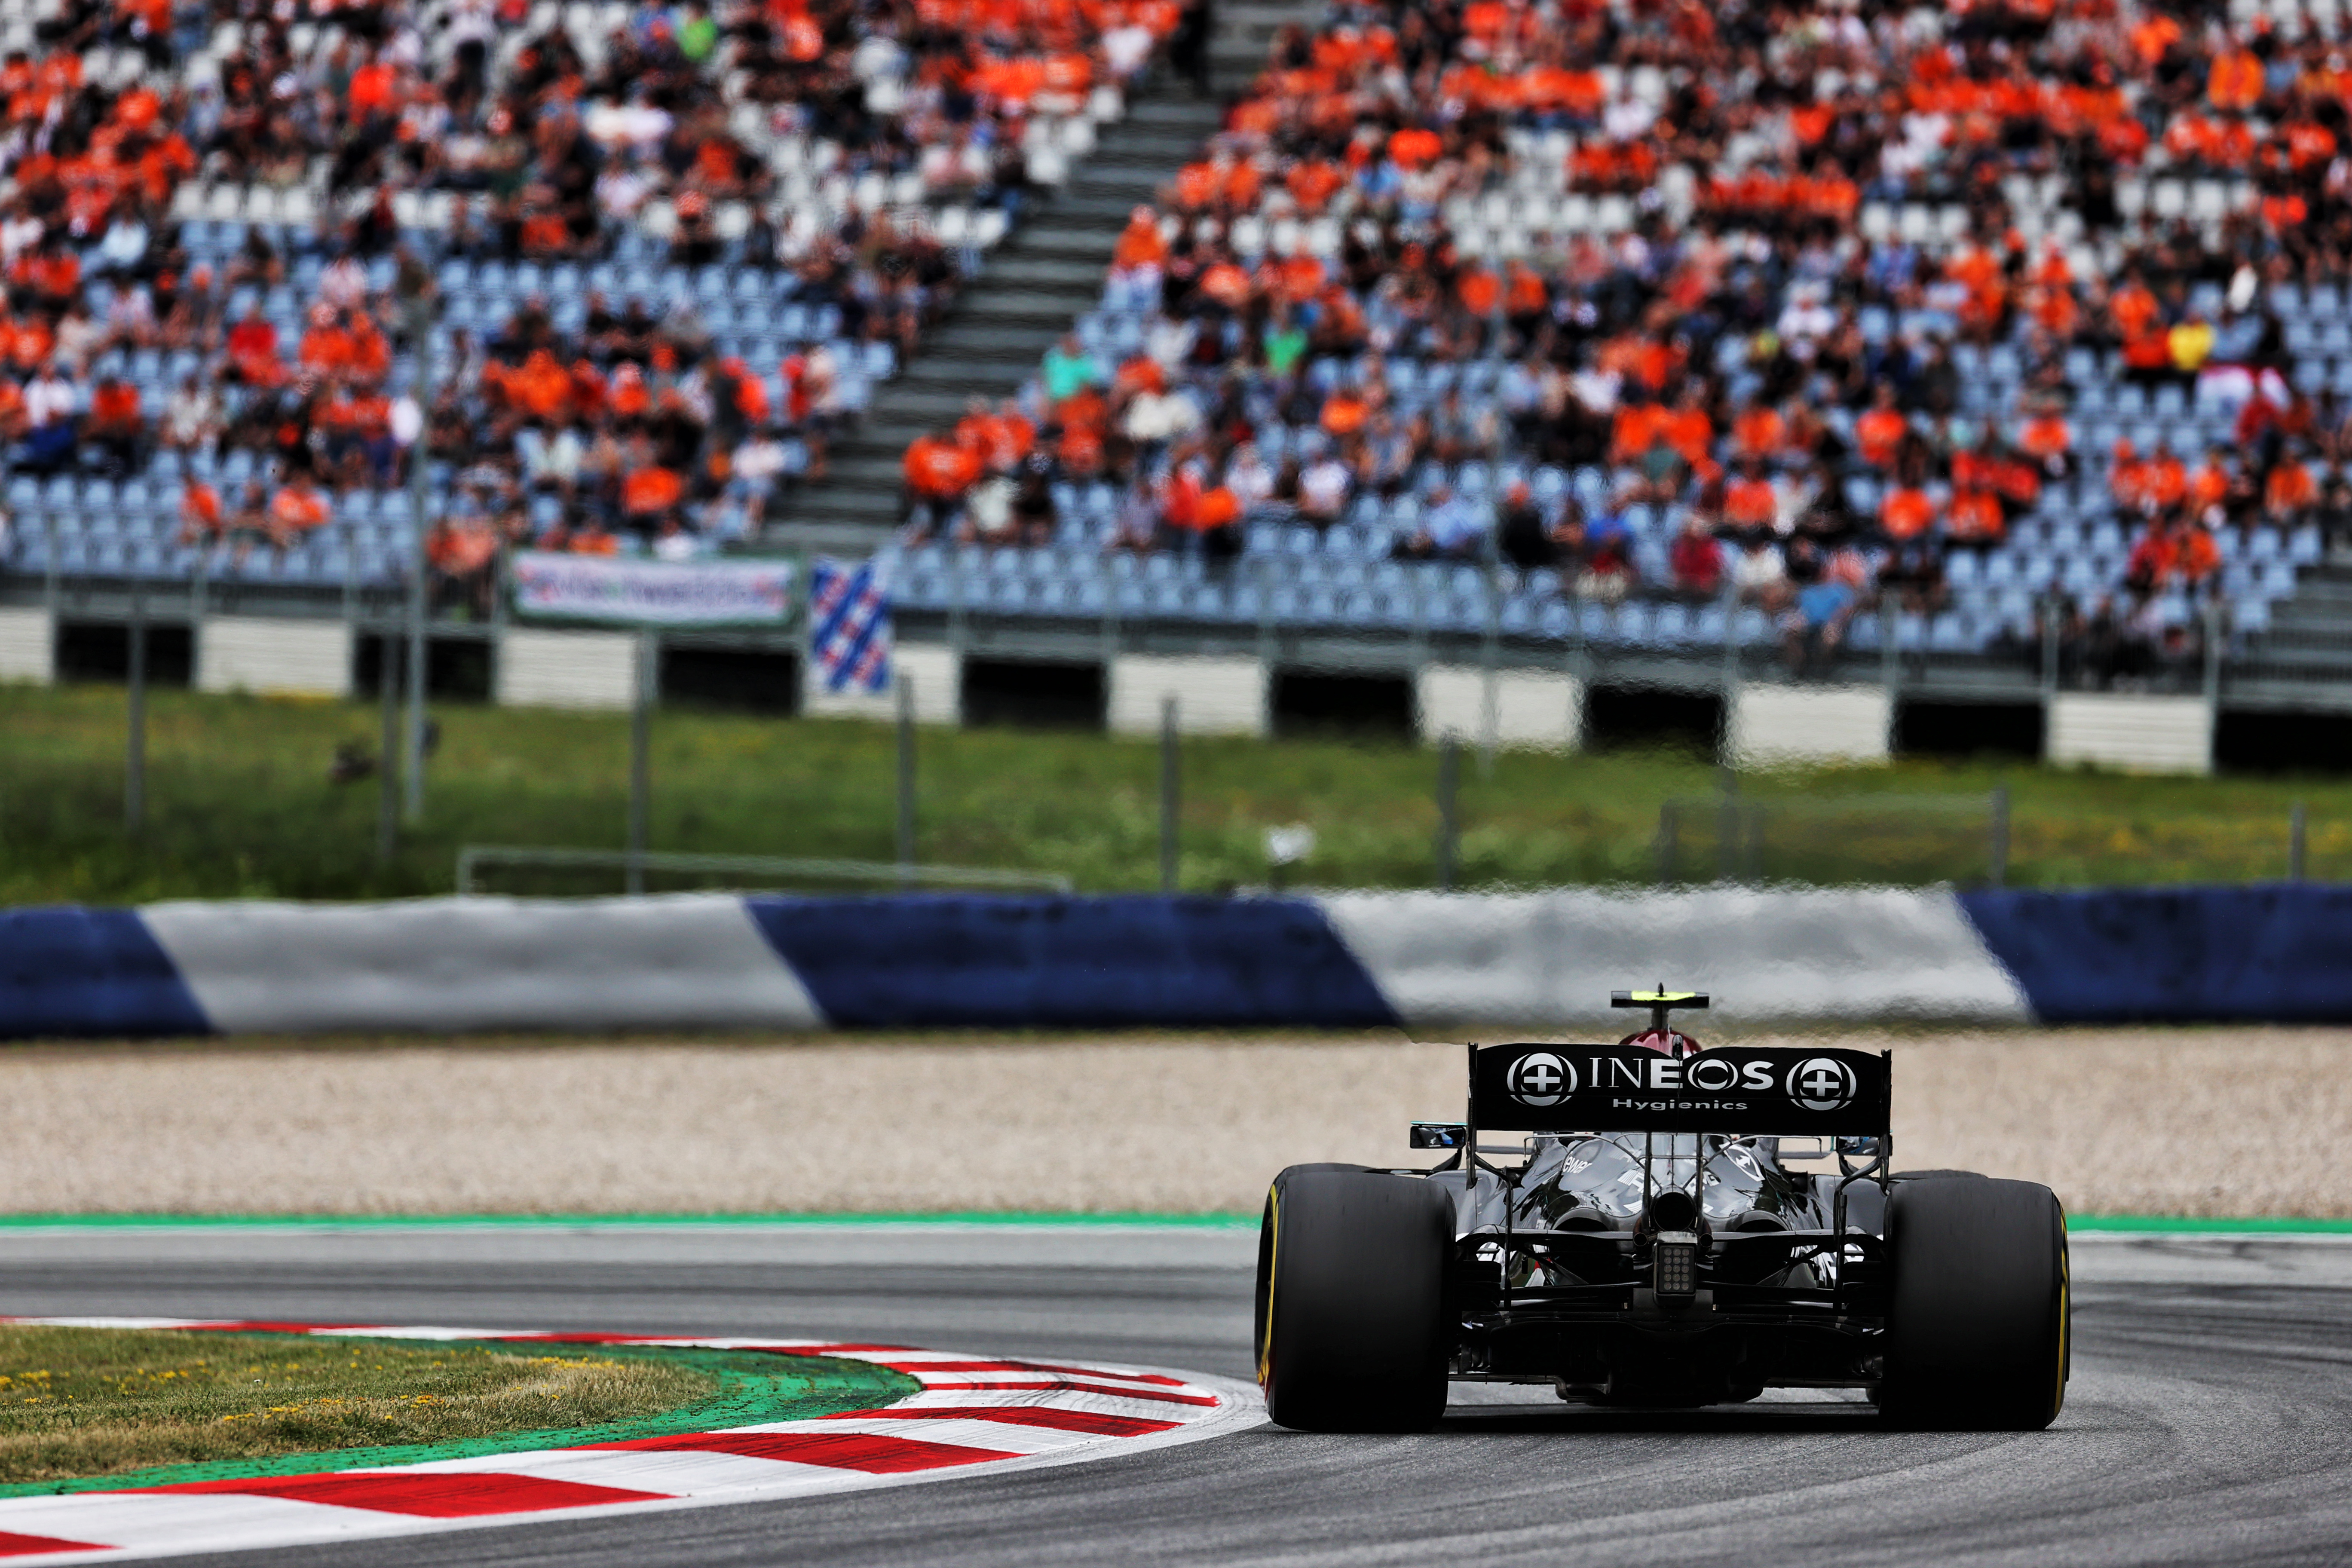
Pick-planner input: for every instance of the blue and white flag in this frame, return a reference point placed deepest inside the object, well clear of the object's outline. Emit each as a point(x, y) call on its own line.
point(849, 626)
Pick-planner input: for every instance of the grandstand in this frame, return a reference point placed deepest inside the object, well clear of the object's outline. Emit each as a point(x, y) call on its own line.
point(1971, 358)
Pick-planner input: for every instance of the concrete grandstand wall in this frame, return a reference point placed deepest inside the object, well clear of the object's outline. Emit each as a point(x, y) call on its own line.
point(1427, 961)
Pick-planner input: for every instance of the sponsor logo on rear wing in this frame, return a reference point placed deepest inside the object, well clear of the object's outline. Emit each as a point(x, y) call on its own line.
point(1732, 1089)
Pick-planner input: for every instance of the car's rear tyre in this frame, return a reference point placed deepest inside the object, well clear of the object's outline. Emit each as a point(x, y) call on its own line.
point(1977, 1322)
point(1351, 1325)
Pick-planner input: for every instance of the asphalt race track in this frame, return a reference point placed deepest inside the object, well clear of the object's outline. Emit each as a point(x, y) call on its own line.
point(2210, 1419)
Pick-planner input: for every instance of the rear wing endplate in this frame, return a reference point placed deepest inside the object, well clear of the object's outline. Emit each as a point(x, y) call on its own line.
point(1732, 1089)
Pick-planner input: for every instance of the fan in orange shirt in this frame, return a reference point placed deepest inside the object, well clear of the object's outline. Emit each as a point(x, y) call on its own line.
point(326, 347)
point(1314, 182)
point(113, 408)
point(1641, 358)
point(2307, 145)
point(541, 388)
point(1299, 277)
point(2045, 438)
point(1479, 290)
point(1906, 512)
point(2235, 82)
point(1244, 185)
point(1975, 267)
point(201, 517)
point(253, 351)
point(2209, 487)
point(1137, 374)
point(1525, 297)
point(297, 508)
point(2128, 477)
point(1637, 427)
point(1080, 450)
point(1975, 517)
point(649, 491)
point(939, 470)
point(2280, 213)
point(751, 392)
point(53, 274)
point(1749, 501)
point(1198, 185)
point(1880, 430)
point(1758, 431)
point(1085, 409)
point(1689, 431)
point(999, 437)
point(29, 341)
point(2187, 136)
point(2053, 270)
point(628, 395)
point(2152, 37)
point(1139, 243)
point(1345, 410)
point(2167, 478)
point(1014, 436)
point(458, 548)
point(2288, 493)
point(136, 109)
point(372, 89)
point(1227, 284)
point(2133, 308)
point(1413, 146)
point(2196, 557)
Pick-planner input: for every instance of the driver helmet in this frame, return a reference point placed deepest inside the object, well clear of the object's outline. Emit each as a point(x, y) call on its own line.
point(1667, 1042)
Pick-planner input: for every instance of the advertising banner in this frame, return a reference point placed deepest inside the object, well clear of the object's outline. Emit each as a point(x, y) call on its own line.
point(653, 592)
point(1583, 1089)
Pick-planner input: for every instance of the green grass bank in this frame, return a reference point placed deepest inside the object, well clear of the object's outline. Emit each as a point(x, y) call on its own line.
point(240, 805)
point(86, 1407)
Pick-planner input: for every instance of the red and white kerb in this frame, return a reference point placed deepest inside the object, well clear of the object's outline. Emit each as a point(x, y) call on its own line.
point(973, 1414)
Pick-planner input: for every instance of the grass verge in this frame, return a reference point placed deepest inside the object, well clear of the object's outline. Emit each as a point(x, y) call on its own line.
point(85, 1409)
point(240, 805)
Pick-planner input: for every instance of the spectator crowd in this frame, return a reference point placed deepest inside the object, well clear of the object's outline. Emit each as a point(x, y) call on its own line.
point(1371, 306)
point(766, 150)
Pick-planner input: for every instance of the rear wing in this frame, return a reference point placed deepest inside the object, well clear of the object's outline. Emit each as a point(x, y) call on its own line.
point(1732, 1089)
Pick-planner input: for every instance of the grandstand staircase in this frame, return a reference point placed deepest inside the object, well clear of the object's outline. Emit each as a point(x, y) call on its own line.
point(2307, 648)
point(1033, 287)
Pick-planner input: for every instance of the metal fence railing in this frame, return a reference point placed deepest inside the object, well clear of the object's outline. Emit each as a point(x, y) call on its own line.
point(746, 871)
point(1895, 839)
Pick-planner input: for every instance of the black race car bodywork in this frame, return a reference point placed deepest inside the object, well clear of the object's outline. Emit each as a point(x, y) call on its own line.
point(1691, 1261)
point(1556, 1278)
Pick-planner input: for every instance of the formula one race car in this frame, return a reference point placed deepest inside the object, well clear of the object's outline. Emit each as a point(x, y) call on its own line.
point(1650, 1243)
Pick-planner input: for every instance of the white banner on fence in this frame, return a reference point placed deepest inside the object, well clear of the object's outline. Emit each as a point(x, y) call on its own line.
point(652, 593)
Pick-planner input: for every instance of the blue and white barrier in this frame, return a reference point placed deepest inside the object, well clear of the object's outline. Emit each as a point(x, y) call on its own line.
point(1424, 961)
point(1857, 954)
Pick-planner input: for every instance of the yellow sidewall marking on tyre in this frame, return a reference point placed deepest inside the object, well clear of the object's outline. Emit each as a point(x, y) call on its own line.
point(2065, 1317)
point(1272, 1256)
